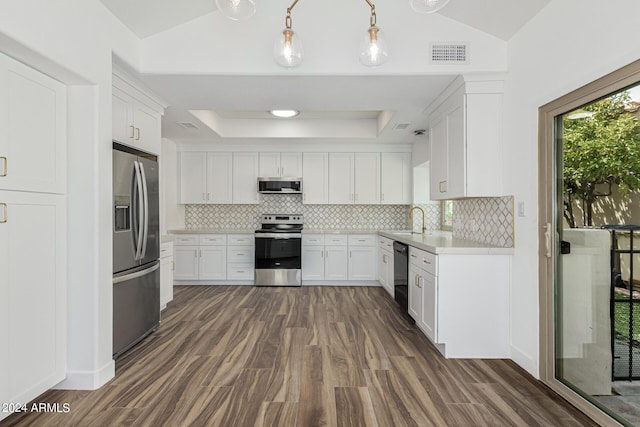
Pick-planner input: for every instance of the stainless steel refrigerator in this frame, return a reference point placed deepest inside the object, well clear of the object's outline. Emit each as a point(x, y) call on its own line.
point(136, 247)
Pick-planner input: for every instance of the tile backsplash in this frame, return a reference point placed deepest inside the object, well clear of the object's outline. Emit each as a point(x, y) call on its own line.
point(332, 217)
point(485, 220)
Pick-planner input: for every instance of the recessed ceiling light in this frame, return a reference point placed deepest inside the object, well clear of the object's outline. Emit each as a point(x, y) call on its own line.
point(285, 114)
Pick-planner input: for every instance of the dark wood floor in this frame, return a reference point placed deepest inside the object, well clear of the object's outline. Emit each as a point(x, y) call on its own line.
point(312, 356)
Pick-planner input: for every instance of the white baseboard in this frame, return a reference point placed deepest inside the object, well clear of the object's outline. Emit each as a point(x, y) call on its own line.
point(525, 361)
point(88, 380)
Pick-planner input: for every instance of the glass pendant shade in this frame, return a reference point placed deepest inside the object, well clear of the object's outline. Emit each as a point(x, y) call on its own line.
point(427, 6)
point(373, 50)
point(287, 50)
point(236, 9)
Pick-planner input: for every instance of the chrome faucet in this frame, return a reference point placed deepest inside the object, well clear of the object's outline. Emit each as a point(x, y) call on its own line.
point(411, 216)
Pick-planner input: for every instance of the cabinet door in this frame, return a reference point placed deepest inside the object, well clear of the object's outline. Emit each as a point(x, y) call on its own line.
point(122, 129)
point(438, 160)
point(193, 177)
point(148, 125)
point(187, 261)
point(336, 263)
point(219, 178)
point(396, 179)
point(415, 293)
point(166, 281)
point(213, 263)
point(340, 178)
point(33, 123)
point(367, 178)
point(382, 269)
point(32, 294)
point(245, 178)
point(291, 165)
point(456, 159)
point(315, 178)
point(429, 318)
point(313, 263)
point(362, 263)
point(269, 165)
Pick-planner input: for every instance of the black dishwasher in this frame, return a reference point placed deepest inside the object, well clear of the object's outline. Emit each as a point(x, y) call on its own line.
point(401, 274)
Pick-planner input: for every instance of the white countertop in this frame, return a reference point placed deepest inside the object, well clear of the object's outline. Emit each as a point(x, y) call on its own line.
point(212, 231)
point(442, 242)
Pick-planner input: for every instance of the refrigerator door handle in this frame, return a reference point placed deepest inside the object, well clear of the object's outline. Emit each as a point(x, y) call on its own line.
point(140, 210)
point(145, 209)
point(135, 275)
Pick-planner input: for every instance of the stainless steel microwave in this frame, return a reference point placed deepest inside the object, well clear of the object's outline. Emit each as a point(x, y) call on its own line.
point(280, 185)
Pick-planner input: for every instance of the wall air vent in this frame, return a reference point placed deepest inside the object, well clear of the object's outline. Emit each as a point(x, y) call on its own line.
point(401, 126)
point(449, 53)
point(188, 125)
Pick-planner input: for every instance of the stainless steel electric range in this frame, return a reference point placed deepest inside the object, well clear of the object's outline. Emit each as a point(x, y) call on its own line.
point(278, 256)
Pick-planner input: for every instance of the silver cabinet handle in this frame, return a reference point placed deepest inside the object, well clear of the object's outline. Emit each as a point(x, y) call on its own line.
point(420, 284)
point(133, 131)
point(200, 253)
point(415, 280)
point(4, 166)
point(138, 130)
point(413, 256)
point(426, 261)
point(5, 214)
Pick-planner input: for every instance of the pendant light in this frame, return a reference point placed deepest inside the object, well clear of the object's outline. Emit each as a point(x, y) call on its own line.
point(427, 6)
point(373, 50)
point(237, 9)
point(287, 50)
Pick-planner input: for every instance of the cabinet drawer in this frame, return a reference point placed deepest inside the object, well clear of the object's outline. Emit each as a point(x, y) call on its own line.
point(312, 240)
point(213, 239)
point(166, 250)
point(363, 240)
point(186, 239)
point(240, 271)
point(335, 240)
point(240, 240)
point(385, 243)
point(422, 259)
point(240, 254)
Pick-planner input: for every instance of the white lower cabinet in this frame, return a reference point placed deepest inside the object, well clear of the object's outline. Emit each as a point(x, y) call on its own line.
point(214, 257)
point(339, 257)
point(385, 264)
point(166, 274)
point(460, 302)
point(33, 303)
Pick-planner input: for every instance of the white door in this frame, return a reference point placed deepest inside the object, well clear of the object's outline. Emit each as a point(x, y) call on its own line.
point(245, 178)
point(340, 178)
point(367, 178)
point(193, 177)
point(415, 292)
point(269, 165)
point(313, 263)
point(219, 178)
point(213, 263)
point(336, 263)
point(33, 299)
point(291, 165)
point(315, 178)
point(395, 178)
point(33, 124)
point(428, 320)
point(187, 261)
point(362, 263)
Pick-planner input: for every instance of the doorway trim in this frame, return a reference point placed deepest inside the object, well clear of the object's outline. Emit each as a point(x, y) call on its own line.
point(547, 215)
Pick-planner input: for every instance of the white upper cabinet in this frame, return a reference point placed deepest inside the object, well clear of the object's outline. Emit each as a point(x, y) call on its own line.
point(205, 177)
point(136, 118)
point(466, 141)
point(315, 178)
point(280, 165)
point(354, 178)
point(396, 179)
point(33, 123)
point(245, 178)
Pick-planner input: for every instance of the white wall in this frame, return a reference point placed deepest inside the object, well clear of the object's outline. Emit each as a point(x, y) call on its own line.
point(73, 41)
point(568, 44)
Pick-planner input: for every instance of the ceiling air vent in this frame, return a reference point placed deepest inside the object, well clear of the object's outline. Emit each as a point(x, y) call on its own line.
point(401, 126)
point(449, 53)
point(188, 125)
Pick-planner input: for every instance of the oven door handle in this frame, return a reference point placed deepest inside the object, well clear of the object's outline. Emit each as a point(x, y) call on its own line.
point(278, 236)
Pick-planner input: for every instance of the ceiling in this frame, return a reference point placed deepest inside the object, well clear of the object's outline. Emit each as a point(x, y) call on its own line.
point(369, 108)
